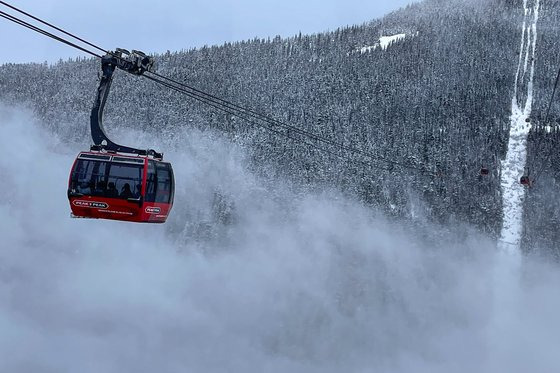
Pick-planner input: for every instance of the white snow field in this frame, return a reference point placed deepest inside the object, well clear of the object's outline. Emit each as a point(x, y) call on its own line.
point(286, 283)
point(513, 167)
point(384, 42)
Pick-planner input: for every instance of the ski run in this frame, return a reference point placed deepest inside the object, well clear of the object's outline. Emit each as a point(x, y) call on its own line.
point(513, 167)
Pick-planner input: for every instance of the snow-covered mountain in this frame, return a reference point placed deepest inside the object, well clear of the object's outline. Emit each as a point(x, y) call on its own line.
point(439, 99)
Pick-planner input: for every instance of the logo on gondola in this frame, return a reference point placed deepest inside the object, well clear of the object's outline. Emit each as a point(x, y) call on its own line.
point(152, 210)
point(91, 204)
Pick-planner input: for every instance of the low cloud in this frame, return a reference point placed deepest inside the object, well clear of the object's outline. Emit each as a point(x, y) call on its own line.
point(247, 276)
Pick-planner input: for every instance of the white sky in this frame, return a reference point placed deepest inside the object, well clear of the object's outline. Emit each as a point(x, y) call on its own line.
point(157, 26)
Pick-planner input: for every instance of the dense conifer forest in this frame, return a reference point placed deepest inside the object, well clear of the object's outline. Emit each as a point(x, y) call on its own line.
point(436, 104)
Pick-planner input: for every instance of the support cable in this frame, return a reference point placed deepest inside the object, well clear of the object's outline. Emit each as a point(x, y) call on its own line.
point(52, 26)
point(276, 122)
point(46, 33)
point(280, 133)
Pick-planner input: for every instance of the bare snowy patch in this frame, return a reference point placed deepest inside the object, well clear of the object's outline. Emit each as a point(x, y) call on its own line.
point(384, 42)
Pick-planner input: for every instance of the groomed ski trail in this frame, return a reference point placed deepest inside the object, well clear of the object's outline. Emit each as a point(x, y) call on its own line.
point(513, 165)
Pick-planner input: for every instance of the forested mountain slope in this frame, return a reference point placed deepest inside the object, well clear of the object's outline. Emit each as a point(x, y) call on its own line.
point(438, 100)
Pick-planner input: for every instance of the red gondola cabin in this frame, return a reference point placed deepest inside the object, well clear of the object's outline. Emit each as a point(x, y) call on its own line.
point(524, 180)
point(118, 182)
point(121, 187)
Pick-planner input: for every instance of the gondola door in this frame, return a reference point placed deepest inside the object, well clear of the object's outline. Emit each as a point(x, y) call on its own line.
point(159, 191)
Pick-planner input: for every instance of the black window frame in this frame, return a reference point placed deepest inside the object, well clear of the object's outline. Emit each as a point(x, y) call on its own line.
point(98, 182)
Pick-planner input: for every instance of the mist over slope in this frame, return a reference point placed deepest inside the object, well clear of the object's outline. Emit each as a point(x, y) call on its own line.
point(245, 277)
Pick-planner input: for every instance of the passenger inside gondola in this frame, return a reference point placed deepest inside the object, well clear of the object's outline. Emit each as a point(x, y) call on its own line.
point(100, 188)
point(112, 191)
point(126, 192)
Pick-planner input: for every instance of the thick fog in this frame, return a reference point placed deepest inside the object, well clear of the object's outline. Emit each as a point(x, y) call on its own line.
point(248, 275)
